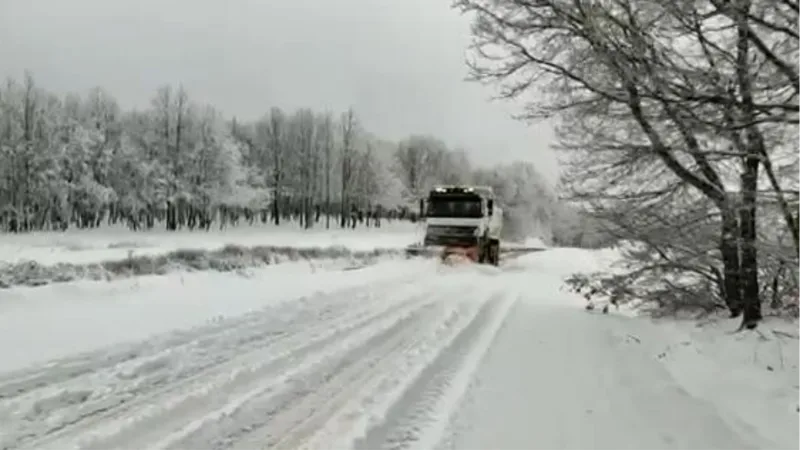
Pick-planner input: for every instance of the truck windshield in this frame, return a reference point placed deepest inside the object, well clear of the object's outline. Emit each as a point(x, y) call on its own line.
point(454, 207)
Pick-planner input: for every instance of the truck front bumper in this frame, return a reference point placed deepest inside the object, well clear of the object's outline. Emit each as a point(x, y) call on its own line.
point(450, 241)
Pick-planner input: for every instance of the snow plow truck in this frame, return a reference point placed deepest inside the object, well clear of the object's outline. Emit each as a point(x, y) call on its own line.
point(462, 222)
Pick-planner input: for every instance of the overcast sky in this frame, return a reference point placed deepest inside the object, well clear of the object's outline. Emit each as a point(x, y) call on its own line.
point(400, 63)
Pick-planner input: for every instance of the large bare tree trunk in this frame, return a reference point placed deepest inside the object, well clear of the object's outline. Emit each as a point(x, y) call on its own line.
point(751, 296)
point(729, 249)
point(749, 177)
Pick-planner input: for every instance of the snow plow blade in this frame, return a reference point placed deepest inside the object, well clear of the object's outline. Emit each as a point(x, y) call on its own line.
point(419, 251)
point(465, 253)
point(456, 255)
point(444, 253)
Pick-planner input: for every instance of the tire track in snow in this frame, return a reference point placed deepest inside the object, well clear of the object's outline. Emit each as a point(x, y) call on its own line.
point(303, 396)
point(421, 413)
point(332, 400)
point(45, 375)
point(72, 408)
point(369, 406)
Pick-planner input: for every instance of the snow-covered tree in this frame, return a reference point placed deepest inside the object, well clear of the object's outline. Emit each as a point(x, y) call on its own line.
point(674, 116)
point(80, 160)
point(528, 201)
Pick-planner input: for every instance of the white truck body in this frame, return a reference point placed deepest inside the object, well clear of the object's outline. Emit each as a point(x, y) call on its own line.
point(492, 225)
point(463, 217)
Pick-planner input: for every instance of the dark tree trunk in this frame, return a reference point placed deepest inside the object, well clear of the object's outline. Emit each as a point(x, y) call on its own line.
point(729, 248)
point(751, 300)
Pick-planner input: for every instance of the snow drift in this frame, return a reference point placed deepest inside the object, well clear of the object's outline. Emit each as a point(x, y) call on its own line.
point(226, 259)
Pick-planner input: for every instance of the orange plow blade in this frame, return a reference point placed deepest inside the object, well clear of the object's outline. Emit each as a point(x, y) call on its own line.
point(454, 255)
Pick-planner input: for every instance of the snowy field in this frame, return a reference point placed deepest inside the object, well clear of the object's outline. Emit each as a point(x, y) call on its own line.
point(398, 354)
point(114, 243)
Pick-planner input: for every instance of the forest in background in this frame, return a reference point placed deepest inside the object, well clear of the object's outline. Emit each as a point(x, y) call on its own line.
point(80, 160)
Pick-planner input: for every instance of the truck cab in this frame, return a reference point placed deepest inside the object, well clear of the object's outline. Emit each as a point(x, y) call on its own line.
point(464, 219)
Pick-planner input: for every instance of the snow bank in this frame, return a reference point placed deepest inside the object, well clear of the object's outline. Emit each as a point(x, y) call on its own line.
point(750, 376)
point(226, 259)
point(114, 243)
point(40, 258)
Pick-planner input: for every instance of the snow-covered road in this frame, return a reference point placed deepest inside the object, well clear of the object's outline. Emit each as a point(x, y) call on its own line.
point(468, 357)
point(580, 381)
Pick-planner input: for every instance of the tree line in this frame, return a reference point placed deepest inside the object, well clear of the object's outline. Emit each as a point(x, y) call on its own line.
point(82, 161)
point(678, 125)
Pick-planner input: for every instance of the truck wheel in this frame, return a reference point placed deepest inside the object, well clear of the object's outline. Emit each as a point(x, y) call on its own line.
point(483, 251)
point(494, 246)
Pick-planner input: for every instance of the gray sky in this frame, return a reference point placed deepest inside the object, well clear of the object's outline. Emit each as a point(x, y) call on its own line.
point(400, 63)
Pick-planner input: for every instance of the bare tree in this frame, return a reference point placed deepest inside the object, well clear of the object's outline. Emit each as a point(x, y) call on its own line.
point(614, 72)
point(78, 159)
point(419, 160)
point(303, 124)
point(326, 136)
point(349, 124)
point(276, 141)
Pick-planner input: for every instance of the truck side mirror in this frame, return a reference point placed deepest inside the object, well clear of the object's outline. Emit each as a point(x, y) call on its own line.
point(421, 208)
point(490, 206)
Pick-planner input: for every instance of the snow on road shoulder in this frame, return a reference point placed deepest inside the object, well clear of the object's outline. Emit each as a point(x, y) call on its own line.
point(751, 376)
point(116, 242)
point(227, 259)
point(63, 319)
